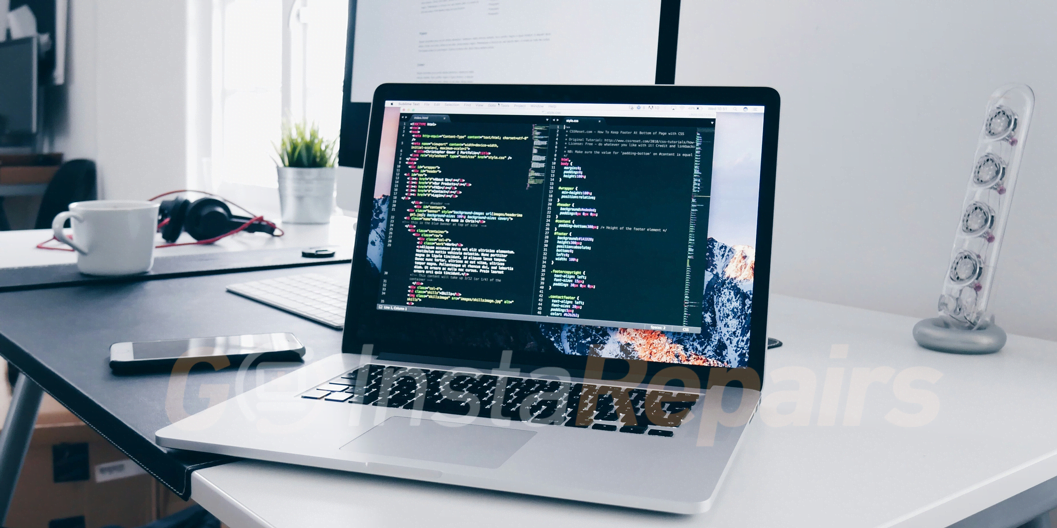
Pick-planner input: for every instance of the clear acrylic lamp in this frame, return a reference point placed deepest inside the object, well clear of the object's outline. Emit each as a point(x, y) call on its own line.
point(964, 325)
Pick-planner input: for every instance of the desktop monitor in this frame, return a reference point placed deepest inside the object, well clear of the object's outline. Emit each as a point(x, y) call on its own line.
point(18, 89)
point(600, 42)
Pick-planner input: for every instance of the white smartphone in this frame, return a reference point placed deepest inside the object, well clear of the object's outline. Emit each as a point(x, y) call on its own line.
point(159, 355)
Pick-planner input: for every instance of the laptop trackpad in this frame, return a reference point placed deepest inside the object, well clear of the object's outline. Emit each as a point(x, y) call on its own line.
point(424, 439)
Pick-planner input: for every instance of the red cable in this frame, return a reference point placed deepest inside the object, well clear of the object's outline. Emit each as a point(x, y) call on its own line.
point(247, 211)
point(214, 239)
point(42, 246)
point(211, 240)
point(243, 227)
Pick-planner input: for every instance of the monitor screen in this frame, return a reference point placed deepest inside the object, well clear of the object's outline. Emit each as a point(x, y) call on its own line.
point(615, 230)
point(498, 41)
point(18, 86)
point(504, 41)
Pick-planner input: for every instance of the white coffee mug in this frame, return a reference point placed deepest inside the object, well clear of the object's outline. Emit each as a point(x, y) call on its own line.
point(111, 237)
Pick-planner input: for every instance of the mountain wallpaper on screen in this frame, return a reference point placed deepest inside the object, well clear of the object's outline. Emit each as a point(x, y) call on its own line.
point(376, 240)
point(727, 309)
point(724, 337)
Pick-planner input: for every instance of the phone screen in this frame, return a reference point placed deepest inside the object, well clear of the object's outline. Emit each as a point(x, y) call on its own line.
point(215, 346)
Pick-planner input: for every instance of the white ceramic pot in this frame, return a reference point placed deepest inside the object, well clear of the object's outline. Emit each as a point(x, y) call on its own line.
point(306, 196)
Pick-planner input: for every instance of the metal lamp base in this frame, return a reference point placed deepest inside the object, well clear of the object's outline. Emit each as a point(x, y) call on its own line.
point(941, 335)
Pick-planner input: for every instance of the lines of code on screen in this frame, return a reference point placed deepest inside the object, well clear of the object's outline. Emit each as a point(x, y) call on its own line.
point(461, 208)
point(549, 219)
point(622, 214)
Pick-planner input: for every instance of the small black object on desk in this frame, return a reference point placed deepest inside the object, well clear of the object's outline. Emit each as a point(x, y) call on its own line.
point(318, 253)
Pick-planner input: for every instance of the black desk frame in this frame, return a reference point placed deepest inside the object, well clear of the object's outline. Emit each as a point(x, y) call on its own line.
point(15, 437)
point(71, 364)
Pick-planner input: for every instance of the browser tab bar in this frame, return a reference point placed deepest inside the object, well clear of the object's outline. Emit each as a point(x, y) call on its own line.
point(572, 109)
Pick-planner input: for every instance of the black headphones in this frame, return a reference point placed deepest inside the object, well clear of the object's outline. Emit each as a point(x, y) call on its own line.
point(203, 219)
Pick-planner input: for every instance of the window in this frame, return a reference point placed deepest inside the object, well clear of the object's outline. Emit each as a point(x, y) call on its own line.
point(318, 63)
point(247, 90)
point(271, 59)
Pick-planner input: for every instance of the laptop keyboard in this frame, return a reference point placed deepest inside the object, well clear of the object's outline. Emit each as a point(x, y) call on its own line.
point(598, 407)
point(310, 295)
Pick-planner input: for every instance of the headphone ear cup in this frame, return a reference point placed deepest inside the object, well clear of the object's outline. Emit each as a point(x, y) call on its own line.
point(177, 213)
point(208, 218)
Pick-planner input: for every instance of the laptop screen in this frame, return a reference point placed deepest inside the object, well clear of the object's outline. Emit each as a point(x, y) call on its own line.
point(614, 230)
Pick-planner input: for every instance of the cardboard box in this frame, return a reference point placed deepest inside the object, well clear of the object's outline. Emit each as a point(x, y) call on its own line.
point(26, 175)
point(28, 168)
point(61, 483)
point(74, 478)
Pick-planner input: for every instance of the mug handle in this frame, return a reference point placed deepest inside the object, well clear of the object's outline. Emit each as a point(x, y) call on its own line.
point(56, 229)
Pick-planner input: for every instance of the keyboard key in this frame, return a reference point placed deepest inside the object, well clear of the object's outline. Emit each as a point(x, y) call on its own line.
point(316, 394)
point(604, 427)
point(660, 432)
point(572, 423)
point(338, 397)
point(633, 429)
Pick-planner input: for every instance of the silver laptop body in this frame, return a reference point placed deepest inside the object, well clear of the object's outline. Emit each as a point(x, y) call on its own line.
point(528, 310)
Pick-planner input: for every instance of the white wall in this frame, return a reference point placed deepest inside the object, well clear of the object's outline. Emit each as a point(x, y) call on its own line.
point(127, 104)
point(71, 108)
point(141, 96)
point(882, 103)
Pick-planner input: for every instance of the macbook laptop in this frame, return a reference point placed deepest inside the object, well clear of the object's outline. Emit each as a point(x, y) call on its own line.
point(556, 290)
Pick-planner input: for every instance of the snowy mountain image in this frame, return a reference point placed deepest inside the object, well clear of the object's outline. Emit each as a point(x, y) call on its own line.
point(724, 337)
point(726, 307)
point(375, 241)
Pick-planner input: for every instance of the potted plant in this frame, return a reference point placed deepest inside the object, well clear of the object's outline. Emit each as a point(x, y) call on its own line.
point(306, 174)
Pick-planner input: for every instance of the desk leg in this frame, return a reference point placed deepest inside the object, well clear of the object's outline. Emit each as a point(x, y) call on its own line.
point(4, 225)
point(15, 436)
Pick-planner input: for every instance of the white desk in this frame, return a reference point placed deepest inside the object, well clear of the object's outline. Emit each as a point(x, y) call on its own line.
point(994, 436)
point(18, 248)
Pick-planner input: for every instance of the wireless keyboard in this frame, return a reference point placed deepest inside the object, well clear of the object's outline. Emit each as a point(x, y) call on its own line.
point(312, 296)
